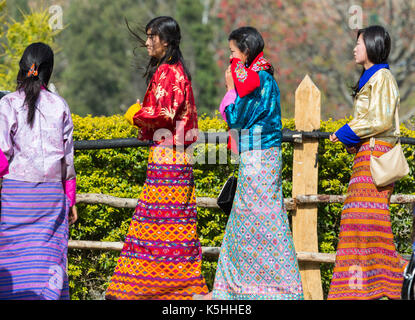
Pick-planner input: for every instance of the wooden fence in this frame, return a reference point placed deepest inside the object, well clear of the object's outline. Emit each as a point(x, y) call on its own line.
point(303, 203)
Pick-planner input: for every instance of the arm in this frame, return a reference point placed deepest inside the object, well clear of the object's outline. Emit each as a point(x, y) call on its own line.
point(68, 168)
point(228, 99)
point(4, 165)
point(230, 95)
point(245, 80)
point(8, 125)
point(346, 135)
point(247, 111)
point(234, 113)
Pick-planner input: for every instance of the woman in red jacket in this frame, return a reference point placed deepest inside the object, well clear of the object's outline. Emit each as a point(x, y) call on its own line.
point(161, 257)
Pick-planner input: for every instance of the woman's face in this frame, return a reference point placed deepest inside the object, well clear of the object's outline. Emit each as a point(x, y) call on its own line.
point(155, 47)
point(236, 53)
point(360, 53)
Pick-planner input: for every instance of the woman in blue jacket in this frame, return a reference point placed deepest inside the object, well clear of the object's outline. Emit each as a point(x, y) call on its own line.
point(257, 258)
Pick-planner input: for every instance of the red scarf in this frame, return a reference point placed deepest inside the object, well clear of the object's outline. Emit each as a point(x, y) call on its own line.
point(246, 80)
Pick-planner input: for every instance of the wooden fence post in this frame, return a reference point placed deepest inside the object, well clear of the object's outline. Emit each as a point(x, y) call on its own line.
point(305, 181)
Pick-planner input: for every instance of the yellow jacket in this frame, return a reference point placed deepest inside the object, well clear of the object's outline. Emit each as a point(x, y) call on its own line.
point(374, 108)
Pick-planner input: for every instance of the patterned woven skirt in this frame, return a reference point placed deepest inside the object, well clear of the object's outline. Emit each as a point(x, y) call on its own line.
point(33, 241)
point(367, 264)
point(161, 258)
point(257, 259)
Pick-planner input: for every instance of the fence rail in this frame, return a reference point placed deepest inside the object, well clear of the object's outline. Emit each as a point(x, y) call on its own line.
point(206, 202)
point(209, 252)
point(211, 137)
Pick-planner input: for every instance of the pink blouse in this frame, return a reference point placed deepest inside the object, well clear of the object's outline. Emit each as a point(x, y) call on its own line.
point(43, 153)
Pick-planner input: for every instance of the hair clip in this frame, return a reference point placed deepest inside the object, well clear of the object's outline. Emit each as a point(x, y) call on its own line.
point(32, 71)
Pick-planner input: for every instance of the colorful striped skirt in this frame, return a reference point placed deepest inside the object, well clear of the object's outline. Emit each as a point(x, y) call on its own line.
point(33, 241)
point(367, 264)
point(257, 258)
point(161, 258)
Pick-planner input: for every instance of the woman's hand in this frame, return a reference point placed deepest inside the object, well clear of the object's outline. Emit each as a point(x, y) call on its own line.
point(333, 138)
point(228, 79)
point(73, 215)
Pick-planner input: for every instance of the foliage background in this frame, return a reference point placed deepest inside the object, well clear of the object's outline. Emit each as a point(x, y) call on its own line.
point(122, 172)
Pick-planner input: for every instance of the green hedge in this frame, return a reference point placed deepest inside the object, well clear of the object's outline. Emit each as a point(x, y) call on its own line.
point(122, 172)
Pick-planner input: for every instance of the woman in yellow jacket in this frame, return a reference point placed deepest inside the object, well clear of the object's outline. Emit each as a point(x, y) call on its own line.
point(367, 264)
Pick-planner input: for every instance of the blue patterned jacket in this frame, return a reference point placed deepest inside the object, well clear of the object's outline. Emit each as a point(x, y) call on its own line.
point(257, 116)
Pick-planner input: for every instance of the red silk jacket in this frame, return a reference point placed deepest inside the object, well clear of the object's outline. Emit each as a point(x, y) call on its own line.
point(168, 114)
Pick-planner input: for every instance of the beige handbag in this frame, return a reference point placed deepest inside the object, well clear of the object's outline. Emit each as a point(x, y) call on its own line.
point(392, 165)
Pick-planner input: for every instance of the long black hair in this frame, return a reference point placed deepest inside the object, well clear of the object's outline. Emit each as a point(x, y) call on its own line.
point(168, 31)
point(378, 46)
point(36, 66)
point(250, 42)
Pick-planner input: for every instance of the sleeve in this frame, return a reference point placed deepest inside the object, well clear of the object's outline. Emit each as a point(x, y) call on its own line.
point(228, 99)
point(234, 113)
point(8, 125)
point(68, 168)
point(383, 101)
point(347, 136)
point(163, 101)
point(247, 111)
point(245, 80)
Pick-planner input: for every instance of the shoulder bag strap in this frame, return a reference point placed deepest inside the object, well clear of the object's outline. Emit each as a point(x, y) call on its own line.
point(397, 128)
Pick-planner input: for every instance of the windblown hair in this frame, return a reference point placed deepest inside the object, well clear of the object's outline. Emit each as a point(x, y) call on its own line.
point(37, 57)
point(168, 31)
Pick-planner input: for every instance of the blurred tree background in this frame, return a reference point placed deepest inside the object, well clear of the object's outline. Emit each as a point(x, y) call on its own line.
point(99, 66)
point(16, 36)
